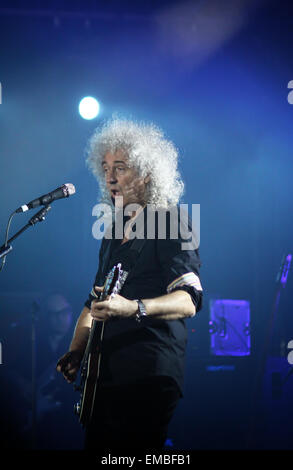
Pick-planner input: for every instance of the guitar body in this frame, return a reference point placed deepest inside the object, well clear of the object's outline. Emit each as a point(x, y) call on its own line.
point(91, 373)
point(90, 368)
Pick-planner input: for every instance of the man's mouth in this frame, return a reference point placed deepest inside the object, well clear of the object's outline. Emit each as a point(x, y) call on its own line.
point(115, 193)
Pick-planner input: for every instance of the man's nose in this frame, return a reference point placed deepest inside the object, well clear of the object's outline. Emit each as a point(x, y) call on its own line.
point(111, 176)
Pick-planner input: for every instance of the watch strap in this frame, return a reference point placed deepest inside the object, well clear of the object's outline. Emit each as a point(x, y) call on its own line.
point(141, 310)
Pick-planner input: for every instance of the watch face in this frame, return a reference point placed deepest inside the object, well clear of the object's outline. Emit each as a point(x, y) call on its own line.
point(141, 307)
point(141, 310)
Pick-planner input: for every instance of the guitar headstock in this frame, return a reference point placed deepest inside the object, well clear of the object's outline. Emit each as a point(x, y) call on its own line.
point(114, 281)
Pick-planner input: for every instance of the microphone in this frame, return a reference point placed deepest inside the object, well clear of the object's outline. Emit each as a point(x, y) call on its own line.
point(65, 190)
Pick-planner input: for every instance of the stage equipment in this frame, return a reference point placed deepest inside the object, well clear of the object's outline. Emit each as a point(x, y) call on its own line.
point(229, 327)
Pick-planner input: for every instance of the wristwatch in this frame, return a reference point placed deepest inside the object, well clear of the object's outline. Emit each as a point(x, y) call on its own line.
point(141, 310)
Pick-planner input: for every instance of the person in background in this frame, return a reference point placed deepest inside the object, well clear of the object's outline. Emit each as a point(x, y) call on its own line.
point(36, 401)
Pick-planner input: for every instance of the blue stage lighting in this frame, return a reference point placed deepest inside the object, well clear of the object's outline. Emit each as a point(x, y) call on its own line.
point(89, 107)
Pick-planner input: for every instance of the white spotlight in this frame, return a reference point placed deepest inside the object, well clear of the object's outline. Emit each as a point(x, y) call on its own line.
point(89, 107)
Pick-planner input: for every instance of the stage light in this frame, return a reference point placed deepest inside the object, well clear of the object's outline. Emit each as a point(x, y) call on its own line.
point(89, 107)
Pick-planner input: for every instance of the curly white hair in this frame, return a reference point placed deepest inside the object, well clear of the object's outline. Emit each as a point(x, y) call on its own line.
point(148, 151)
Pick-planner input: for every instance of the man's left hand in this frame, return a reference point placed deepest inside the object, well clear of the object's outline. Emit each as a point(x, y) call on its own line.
point(116, 306)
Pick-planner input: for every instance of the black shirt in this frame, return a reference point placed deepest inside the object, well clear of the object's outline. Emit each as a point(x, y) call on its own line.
point(134, 350)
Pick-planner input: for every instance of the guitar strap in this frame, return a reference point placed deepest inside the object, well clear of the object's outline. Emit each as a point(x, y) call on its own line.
point(136, 246)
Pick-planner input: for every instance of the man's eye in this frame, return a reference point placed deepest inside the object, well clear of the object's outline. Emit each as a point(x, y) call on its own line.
point(119, 169)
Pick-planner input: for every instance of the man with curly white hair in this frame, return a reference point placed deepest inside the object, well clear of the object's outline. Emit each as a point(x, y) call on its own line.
point(142, 362)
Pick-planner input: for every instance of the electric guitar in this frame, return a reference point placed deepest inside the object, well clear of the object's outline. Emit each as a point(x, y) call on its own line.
point(90, 366)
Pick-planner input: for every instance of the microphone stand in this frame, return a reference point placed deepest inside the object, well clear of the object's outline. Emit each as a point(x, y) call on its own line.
point(257, 391)
point(4, 250)
point(38, 217)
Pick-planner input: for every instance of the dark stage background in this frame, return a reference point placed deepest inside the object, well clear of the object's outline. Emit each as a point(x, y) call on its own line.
point(214, 75)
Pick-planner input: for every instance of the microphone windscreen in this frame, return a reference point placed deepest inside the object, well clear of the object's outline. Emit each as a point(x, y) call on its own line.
point(70, 188)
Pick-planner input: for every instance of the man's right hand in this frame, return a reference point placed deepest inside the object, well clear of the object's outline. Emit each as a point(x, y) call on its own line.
point(69, 365)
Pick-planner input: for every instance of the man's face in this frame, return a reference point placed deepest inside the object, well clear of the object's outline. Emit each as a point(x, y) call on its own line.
point(123, 181)
point(59, 314)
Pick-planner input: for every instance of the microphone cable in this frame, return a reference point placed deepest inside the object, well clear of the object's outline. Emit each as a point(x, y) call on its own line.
point(6, 239)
